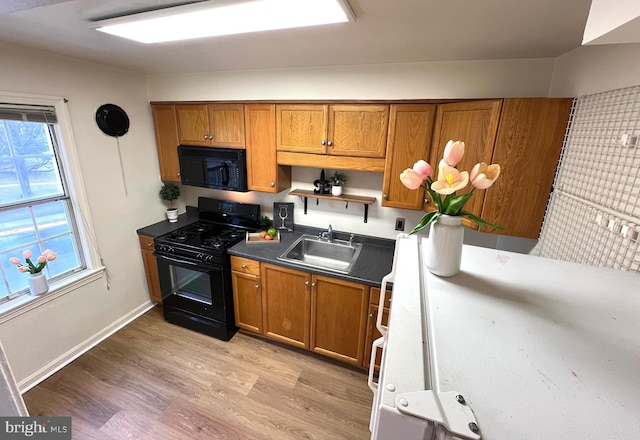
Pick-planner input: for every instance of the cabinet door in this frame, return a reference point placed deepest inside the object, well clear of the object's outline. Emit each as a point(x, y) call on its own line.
point(247, 301)
point(150, 268)
point(193, 124)
point(528, 149)
point(338, 318)
point(226, 125)
point(166, 129)
point(286, 305)
point(301, 128)
point(358, 130)
point(410, 131)
point(264, 174)
point(475, 123)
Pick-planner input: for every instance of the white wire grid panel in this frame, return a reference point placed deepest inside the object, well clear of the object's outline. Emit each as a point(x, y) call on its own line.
point(600, 161)
point(575, 231)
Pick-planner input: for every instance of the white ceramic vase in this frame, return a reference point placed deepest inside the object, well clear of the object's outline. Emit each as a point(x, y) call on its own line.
point(336, 190)
point(444, 246)
point(172, 215)
point(38, 283)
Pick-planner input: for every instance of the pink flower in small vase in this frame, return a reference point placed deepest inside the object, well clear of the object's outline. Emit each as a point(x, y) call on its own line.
point(27, 254)
point(450, 180)
point(23, 269)
point(453, 152)
point(42, 259)
point(14, 260)
point(51, 256)
point(423, 169)
point(482, 175)
point(411, 179)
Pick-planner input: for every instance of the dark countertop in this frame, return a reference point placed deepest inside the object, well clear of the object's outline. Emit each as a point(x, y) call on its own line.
point(374, 262)
point(164, 227)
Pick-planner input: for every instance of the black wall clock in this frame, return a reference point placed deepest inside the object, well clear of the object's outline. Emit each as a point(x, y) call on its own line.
point(112, 120)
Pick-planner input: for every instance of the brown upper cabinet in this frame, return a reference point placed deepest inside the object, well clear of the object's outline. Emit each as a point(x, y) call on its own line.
point(211, 125)
point(354, 130)
point(475, 123)
point(263, 172)
point(410, 132)
point(528, 149)
point(166, 128)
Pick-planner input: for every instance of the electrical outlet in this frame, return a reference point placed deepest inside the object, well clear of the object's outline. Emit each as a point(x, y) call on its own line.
point(399, 224)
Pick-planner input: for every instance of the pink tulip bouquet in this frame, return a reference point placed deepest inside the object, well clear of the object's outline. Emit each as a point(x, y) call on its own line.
point(443, 190)
point(30, 267)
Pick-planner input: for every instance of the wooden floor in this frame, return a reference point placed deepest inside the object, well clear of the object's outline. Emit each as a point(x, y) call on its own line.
point(153, 380)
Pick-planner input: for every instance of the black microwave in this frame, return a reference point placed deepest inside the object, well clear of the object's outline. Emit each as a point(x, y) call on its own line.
point(217, 168)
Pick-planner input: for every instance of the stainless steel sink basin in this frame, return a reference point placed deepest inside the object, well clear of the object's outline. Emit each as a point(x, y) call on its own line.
point(312, 251)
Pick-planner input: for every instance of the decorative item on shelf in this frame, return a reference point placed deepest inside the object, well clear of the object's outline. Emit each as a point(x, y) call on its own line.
point(322, 186)
point(265, 222)
point(38, 283)
point(170, 192)
point(283, 216)
point(337, 181)
point(444, 245)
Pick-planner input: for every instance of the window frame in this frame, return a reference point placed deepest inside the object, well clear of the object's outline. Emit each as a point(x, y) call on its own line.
point(71, 175)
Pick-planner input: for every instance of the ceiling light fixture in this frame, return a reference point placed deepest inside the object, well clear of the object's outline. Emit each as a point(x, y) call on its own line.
point(214, 18)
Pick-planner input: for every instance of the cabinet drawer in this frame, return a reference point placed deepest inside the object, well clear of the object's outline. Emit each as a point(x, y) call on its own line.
point(244, 265)
point(146, 242)
point(375, 297)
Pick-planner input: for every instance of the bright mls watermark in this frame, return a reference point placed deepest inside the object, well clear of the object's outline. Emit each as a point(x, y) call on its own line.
point(37, 428)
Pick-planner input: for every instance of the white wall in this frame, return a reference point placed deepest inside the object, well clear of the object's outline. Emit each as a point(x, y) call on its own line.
point(592, 69)
point(464, 79)
point(35, 339)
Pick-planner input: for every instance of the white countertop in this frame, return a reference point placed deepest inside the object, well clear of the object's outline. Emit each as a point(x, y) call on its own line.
point(540, 348)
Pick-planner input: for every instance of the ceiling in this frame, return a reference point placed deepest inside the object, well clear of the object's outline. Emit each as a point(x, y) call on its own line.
point(385, 31)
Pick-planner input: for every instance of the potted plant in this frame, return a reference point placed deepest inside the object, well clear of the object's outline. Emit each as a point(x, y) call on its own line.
point(337, 181)
point(170, 192)
point(265, 223)
point(38, 283)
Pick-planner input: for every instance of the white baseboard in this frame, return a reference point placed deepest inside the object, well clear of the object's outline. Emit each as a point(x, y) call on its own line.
point(68, 357)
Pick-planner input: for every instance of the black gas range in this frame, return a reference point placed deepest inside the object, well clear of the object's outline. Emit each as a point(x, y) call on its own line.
point(194, 267)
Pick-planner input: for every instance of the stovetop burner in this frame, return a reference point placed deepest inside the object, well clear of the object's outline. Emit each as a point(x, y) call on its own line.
point(206, 236)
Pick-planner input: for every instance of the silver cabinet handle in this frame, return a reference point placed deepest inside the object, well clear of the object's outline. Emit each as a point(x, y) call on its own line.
point(178, 174)
point(257, 286)
point(273, 184)
point(385, 196)
point(306, 283)
point(322, 142)
point(313, 284)
point(370, 315)
point(329, 143)
point(244, 266)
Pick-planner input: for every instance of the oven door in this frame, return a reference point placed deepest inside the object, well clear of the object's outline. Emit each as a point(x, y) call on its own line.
point(192, 286)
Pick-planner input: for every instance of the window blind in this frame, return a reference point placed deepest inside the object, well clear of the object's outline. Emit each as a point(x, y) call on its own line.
point(28, 113)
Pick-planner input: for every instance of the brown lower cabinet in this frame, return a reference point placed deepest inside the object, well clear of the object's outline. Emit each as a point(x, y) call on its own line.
point(319, 313)
point(150, 267)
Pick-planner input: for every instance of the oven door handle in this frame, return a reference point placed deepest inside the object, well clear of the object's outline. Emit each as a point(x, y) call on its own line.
point(175, 260)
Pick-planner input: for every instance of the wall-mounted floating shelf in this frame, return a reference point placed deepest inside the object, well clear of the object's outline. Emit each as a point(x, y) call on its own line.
point(366, 201)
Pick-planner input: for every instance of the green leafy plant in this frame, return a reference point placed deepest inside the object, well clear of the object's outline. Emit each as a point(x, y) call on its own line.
point(265, 222)
point(338, 179)
point(169, 192)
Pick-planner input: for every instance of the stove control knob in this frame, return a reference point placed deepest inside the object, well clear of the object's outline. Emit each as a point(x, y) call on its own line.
point(209, 258)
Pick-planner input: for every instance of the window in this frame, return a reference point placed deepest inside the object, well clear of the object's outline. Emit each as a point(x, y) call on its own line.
point(36, 210)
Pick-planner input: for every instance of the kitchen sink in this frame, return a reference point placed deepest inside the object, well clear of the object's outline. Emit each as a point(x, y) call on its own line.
point(332, 255)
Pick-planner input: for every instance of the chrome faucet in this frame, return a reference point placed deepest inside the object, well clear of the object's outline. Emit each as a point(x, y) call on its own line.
point(328, 234)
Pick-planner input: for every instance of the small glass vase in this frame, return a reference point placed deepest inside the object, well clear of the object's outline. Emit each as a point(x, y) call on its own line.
point(444, 246)
point(38, 284)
